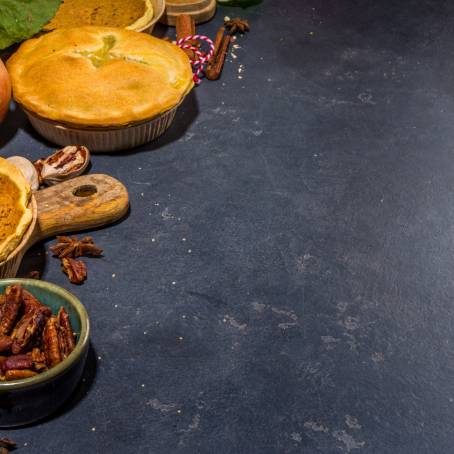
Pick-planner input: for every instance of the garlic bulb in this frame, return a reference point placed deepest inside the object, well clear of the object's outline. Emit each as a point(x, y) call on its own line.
point(69, 162)
point(28, 169)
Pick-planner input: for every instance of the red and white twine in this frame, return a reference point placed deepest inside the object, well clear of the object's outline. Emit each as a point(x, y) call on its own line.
point(203, 57)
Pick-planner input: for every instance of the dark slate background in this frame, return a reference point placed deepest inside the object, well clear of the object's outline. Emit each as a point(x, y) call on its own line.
point(284, 280)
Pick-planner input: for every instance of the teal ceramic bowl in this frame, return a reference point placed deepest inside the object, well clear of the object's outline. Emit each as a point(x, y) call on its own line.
point(30, 399)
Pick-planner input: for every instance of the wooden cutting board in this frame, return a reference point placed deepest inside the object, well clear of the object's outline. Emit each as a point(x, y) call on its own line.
point(200, 10)
point(83, 203)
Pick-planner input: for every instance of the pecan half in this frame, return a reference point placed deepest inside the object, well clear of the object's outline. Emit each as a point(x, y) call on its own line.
point(17, 374)
point(51, 342)
point(75, 269)
point(18, 362)
point(39, 359)
point(11, 308)
point(65, 333)
point(31, 303)
point(28, 328)
point(2, 304)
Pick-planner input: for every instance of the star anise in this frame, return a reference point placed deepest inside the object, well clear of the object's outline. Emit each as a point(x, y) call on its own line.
point(71, 247)
point(237, 25)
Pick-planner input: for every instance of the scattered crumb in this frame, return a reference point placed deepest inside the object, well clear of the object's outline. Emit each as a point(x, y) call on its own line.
point(183, 316)
point(153, 240)
point(115, 305)
point(179, 412)
point(183, 239)
point(145, 332)
point(180, 338)
point(93, 429)
point(189, 251)
point(99, 357)
point(295, 436)
point(113, 275)
point(140, 168)
point(141, 194)
point(173, 282)
point(143, 385)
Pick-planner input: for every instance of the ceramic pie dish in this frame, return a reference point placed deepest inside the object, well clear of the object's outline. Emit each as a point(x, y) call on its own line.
point(107, 88)
point(30, 399)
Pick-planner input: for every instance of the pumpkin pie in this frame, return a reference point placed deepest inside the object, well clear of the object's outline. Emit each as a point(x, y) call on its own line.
point(99, 76)
point(132, 14)
point(15, 213)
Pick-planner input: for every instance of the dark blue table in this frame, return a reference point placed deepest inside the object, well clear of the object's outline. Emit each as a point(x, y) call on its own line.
point(284, 280)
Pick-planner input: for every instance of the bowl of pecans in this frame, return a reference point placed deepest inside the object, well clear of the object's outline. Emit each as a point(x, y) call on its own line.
point(44, 333)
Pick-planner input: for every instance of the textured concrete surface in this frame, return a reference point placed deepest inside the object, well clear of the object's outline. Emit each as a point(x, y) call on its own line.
point(283, 283)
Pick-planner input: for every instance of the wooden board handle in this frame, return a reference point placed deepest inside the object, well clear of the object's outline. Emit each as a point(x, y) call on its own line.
point(82, 203)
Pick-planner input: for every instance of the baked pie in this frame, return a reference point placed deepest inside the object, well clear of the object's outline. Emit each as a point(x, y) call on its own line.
point(15, 213)
point(99, 76)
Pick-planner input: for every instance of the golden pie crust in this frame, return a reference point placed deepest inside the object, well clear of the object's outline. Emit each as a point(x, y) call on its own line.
point(111, 13)
point(15, 213)
point(99, 76)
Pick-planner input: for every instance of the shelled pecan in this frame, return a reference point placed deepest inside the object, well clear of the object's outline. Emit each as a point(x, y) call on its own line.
point(33, 275)
point(76, 270)
point(28, 328)
point(2, 304)
point(66, 334)
point(11, 308)
point(39, 359)
point(31, 303)
point(51, 342)
point(18, 374)
point(18, 362)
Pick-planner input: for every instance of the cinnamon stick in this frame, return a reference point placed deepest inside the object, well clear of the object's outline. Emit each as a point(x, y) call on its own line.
point(185, 25)
point(214, 67)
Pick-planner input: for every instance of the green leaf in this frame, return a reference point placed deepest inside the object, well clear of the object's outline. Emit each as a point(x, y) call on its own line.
point(21, 19)
point(242, 3)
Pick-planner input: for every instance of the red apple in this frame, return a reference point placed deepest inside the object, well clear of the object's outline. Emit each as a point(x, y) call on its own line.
point(5, 91)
